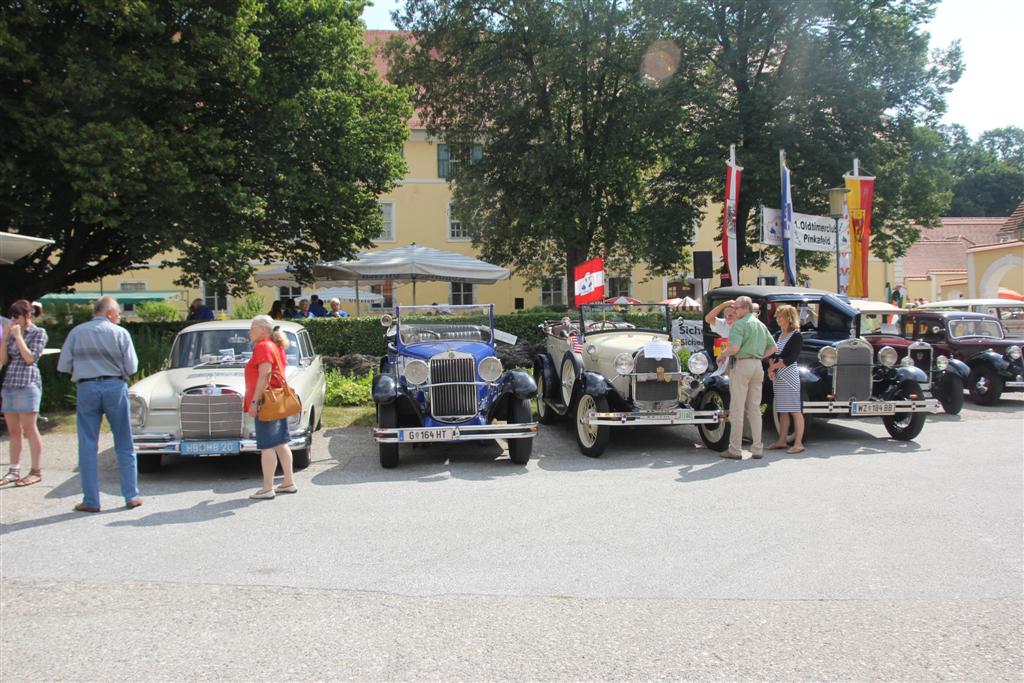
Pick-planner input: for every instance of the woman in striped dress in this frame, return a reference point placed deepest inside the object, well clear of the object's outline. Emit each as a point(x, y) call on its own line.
point(785, 376)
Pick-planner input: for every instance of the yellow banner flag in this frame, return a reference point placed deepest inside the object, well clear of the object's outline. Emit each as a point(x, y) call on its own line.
point(858, 202)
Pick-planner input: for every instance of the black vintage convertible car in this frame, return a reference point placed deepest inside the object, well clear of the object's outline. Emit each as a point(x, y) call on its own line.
point(841, 374)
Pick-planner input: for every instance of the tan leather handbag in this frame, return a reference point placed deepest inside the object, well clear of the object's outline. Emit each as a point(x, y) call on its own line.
point(279, 402)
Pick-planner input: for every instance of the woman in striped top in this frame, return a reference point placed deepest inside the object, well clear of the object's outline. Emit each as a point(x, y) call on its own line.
point(785, 376)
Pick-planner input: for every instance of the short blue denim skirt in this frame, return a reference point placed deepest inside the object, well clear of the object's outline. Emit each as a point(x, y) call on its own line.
point(271, 434)
point(22, 399)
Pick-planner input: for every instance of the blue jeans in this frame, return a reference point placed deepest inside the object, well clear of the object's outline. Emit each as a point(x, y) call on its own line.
point(95, 399)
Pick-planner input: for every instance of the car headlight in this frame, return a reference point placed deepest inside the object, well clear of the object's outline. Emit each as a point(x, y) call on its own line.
point(624, 363)
point(828, 356)
point(887, 356)
point(698, 364)
point(294, 420)
point(139, 410)
point(906, 360)
point(1013, 352)
point(490, 369)
point(941, 363)
point(416, 372)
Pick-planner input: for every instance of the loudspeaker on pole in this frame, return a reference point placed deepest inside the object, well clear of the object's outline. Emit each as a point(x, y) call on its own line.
point(702, 265)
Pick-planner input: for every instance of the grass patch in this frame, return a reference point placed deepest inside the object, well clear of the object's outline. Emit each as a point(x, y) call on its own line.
point(349, 416)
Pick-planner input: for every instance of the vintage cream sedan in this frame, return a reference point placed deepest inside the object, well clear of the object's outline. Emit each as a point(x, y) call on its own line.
point(193, 407)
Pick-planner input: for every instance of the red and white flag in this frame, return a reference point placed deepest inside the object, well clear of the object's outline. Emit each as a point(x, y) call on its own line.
point(729, 208)
point(589, 278)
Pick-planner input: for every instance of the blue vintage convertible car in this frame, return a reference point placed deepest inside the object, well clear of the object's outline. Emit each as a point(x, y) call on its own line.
point(442, 381)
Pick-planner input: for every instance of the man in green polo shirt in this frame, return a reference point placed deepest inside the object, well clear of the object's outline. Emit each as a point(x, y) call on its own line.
point(749, 342)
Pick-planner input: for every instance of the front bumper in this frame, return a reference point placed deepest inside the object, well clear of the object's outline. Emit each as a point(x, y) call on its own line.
point(524, 430)
point(928, 405)
point(655, 417)
point(168, 444)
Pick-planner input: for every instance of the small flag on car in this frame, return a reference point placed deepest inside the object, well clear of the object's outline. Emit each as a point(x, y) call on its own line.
point(577, 345)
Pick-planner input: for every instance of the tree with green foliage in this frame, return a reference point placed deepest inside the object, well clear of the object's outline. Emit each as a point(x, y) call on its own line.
point(989, 172)
point(157, 312)
point(224, 134)
point(825, 81)
point(568, 130)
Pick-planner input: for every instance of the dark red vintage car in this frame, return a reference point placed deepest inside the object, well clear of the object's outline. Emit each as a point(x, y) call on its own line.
point(969, 350)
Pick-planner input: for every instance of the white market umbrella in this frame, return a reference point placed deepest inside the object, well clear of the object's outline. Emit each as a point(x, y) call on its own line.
point(14, 247)
point(348, 294)
point(689, 304)
point(324, 276)
point(414, 263)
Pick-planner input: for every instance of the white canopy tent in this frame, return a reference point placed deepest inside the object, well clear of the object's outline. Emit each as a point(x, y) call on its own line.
point(411, 263)
point(14, 247)
point(347, 294)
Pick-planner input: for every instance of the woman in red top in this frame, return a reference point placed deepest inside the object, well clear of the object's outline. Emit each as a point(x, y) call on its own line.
point(268, 346)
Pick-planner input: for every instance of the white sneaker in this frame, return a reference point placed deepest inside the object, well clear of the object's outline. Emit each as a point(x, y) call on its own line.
point(264, 495)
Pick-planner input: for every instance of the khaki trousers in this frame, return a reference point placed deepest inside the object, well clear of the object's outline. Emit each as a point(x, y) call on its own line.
point(745, 380)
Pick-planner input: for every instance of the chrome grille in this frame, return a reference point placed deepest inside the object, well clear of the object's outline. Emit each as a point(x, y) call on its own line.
point(921, 354)
point(654, 390)
point(851, 376)
point(210, 417)
point(452, 386)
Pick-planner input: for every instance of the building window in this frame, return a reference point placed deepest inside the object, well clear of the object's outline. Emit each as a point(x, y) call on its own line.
point(215, 298)
point(617, 286)
point(387, 212)
point(552, 291)
point(132, 286)
point(456, 231)
point(387, 291)
point(289, 293)
point(768, 280)
point(450, 158)
point(460, 293)
point(679, 289)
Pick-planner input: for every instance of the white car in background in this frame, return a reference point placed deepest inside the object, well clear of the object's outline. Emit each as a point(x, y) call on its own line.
point(193, 407)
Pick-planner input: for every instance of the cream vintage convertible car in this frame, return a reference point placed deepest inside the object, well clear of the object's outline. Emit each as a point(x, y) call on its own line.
point(193, 407)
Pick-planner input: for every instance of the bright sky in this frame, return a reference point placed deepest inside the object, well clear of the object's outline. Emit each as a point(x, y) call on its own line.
point(989, 31)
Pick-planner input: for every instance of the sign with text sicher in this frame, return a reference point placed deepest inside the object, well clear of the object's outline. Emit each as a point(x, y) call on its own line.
point(589, 278)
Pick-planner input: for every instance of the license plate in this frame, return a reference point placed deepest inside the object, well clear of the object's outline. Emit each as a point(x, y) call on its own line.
point(426, 434)
point(684, 414)
point(872, 408)
point(201, 448)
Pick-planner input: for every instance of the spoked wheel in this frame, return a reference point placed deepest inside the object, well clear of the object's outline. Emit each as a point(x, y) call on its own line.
point(568, 380)
point(545, 414)
point(387, 417)
point(985, 385)
point(591, 439)
point(519, 450)
point(905, 426)
point(714, 436)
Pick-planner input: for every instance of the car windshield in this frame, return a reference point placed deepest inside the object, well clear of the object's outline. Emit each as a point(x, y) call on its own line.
point(441, 322)
point(220, 348)
point(879, 323)
point(598, 318)
point(988, 329)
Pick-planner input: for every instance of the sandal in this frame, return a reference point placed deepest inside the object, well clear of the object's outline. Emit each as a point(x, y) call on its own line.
point(776, 446)
point(11, 477)
point(34, 477)
point(82, 507)
point(796, 449)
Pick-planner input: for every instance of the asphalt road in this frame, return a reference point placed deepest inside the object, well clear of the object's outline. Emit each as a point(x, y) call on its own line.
point(862, 558)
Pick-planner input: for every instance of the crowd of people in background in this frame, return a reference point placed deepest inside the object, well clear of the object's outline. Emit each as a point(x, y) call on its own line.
point(313, 307)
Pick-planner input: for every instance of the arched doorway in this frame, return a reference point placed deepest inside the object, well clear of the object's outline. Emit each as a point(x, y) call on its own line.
point(991, 280)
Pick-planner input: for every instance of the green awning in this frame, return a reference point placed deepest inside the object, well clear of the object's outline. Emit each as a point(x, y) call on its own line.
point(122, 297)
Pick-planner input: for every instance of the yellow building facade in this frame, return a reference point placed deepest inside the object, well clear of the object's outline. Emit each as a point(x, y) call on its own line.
point(418, 210)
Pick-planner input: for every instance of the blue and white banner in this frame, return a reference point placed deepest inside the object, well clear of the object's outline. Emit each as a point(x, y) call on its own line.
point(788, 238)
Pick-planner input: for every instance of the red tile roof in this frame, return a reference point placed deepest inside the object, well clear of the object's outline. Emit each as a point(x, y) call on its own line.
point(1013, 228)
point(377, 40)
point(944, 249)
